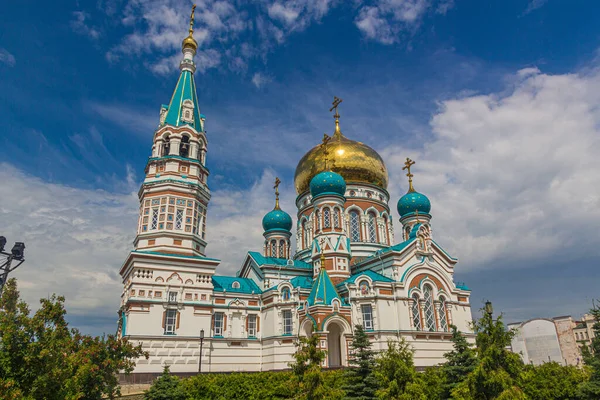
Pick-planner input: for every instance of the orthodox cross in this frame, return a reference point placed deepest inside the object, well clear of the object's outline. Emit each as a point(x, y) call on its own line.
point(276, 187)
point(322, 242)
point(192, 19)
point(325, 141)
point(409, 163)
point(336, 103)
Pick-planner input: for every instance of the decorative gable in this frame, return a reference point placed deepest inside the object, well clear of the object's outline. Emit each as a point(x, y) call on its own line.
point(187, 111)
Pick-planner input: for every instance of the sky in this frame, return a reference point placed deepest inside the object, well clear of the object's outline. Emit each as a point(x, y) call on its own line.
point(498, 103)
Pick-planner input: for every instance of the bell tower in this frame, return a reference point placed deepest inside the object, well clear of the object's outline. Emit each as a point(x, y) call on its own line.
point(174, 196)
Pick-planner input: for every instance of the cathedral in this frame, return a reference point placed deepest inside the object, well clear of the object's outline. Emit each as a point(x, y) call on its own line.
point(347, 268)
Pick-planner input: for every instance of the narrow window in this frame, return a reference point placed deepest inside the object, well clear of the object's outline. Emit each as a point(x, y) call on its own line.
point(170, 320)
point(273, 248)
point(372, 228)
point(354, 227)
point(326, 218)
point(218, 325)
point(317, 220)
point(428, 309)
point(442, 314)
point(304, 235)
point(185, 146)
point(367, 314)
point(285, 294)
point(178, 219)
point(154, 218)
point(251, 325)
point(416, 315)
point(385, 230)
point(172, 297)
point(281, 249)
point(287, 322)
point(336, 218)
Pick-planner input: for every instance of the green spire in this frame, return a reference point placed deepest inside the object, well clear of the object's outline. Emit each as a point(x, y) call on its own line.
point(185, 90)
point(323, 292)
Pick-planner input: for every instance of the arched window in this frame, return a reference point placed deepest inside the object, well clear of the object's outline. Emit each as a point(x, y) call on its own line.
point(354, 227)
point(235, 285)
point(285, 294)
point(184, 148)
point(317, 224)
point(416, 314)
point(336, 218)
point(326, 218)
point(273, 248)
point(428, 309)
point(304, 235)
point(406, 232)
point(442, 314)
point(364, 288)
point(166, 146)
point(372, 228)
point(281, 249)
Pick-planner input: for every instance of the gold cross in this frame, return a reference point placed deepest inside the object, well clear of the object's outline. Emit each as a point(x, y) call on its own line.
point(409, 163)
point(192, 19)
point(336, 103)
point(276, 187)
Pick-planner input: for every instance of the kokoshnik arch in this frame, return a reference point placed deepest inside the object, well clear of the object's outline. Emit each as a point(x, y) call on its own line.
point(347, 268)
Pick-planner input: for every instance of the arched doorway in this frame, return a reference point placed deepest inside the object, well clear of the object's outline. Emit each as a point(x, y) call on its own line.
point(334, 345)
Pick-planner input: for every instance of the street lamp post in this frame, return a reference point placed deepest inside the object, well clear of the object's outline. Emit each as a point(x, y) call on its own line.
point(16, 254)
point(200, 357)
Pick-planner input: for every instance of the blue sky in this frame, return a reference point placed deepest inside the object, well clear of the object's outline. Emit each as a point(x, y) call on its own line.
point(495, 100)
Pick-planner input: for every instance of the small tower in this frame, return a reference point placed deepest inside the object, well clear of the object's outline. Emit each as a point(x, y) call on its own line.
point(331, 247)
point(174, 196)
point(277, 225)
point(413, 208)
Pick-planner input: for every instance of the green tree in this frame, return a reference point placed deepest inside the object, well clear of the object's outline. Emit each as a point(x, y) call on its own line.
point(361, 383)
point(166, 387)
point(461, 361)
point(552, 381)
point(41, 358)
point(307, 368)
point(496, 376)
point(591, 357)
point(396, 373)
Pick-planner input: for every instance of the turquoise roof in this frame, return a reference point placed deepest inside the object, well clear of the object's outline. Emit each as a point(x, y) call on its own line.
point(277, 220)
point(303, 282)
point(462, 286)
point(374, 276)
point(414, 230)
point(158, 253)
point(225, 283)
point(262, 260)
point(323, 292)
point(327, 182)
point(185, 90)
point(413, 201)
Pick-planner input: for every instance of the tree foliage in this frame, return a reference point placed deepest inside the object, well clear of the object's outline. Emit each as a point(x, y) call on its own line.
point(461, 361)
point(41, 358)
point(166, 387)
point(551, 381)
point(497, 373)
point(591, 357)
point(361, 383)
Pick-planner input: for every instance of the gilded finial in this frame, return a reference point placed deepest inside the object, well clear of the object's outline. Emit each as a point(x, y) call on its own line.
point(189, 41)
point(192, 19)
point(417, 215)
point(276, 187)
point(322, 242)
point(409, 163)
point(324, 142)
point(336, 103)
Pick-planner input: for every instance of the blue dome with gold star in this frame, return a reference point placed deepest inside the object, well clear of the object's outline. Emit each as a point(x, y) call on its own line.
point(327, 182)
point(277, 219)
point(413, 201)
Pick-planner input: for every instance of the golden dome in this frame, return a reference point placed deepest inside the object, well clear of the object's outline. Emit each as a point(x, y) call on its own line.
point(355, 161)
point(189, 42)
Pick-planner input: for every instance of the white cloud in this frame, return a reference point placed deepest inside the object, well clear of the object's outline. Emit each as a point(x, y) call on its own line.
point(533, 5)
point(514, 176)
point(7, 58)
point(80, 25)
point(259, 79)
point(386, 20)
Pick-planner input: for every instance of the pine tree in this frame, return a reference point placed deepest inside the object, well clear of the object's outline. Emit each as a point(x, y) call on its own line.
point(395, 371)
point(591, 357)
point(461, 361)
point(361, 383)
point(166, 387)
point(307, 367)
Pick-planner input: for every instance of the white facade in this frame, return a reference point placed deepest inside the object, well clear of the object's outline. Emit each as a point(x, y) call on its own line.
point(348, 269)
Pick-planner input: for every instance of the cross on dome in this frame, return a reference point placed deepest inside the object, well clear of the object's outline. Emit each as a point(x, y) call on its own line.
point(407, 164)
point(276, 187)
point(336, 103)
